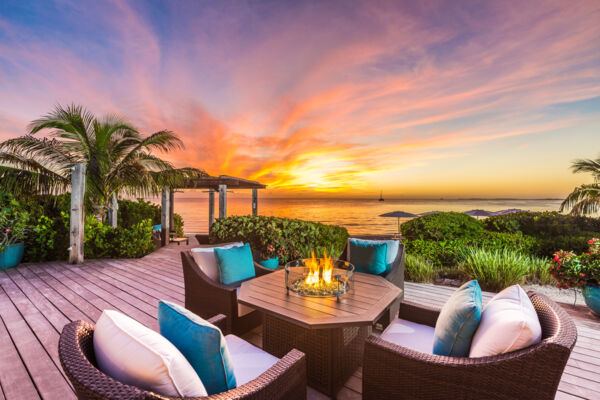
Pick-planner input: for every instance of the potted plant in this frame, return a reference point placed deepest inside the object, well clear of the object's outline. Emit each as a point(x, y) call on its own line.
point(13, 223)
point(580, 271)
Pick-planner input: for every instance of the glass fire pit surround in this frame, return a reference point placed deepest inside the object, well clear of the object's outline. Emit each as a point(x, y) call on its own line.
point(319, 277)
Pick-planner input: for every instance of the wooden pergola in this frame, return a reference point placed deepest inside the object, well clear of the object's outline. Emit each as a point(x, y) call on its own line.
point(214, 184)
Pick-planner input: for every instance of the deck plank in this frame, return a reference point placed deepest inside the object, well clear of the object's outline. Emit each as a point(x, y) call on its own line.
point(48, 378)
point(36, 300)
point(16, 382)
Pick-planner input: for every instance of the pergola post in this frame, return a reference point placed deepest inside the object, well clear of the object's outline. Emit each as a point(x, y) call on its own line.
point(211, 207)
point(172, 209)
point(255, 202)
point(113, 211)
point(164, 217)
point(77, 221)
point(222, 201)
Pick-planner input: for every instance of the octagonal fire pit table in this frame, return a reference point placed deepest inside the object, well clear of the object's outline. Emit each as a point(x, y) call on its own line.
point(329, 330)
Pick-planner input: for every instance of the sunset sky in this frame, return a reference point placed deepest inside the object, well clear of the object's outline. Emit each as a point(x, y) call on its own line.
point(327, 98)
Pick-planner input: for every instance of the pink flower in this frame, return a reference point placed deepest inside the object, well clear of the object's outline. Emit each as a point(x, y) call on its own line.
point(7, 230)
point(582, 274)
point(591, 241)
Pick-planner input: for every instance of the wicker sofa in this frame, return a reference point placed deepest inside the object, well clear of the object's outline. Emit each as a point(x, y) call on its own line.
point(206, 297)
point(284, 380)
point(395, 275)
point(392, 371)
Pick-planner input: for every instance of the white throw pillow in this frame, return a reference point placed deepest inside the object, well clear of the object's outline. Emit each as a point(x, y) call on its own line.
point(136, 355)
point(508, 323)
point(392, 248)
point(205, 258)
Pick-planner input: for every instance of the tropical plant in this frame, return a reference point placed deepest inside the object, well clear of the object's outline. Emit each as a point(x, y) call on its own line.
point(419, 269)
point(119, 159)
point(585, 199)
point(496, 269)
point(573, 270)
point(13, 221)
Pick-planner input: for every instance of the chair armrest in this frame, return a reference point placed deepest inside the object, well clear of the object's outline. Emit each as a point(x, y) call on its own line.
point(393, 371)
point(284, 380)
point(220, 321)
point(260, 270)
point(419, 313)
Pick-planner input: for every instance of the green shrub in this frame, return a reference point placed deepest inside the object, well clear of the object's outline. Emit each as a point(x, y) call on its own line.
point(419, 269)
point(552, 230)
point(498, 240)
point(447, 253)
point(496, 269)
point(178, 222)
point(134, 242)
point(285, 238)
point(40, 240)
point(132, 213)
point(441, 253)
point(442, 226)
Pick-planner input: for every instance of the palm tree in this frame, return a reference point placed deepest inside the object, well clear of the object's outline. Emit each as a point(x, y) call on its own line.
point(585, 199)
point(119, 159)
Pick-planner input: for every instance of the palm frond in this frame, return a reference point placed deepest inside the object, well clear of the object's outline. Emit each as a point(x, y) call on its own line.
point(584, 200)
point(588, 166)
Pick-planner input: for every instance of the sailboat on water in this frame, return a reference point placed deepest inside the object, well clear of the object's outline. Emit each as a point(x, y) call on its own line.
point(381, 196)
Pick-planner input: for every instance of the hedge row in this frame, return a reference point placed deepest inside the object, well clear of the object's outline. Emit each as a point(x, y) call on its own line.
point(47, 236)
point(285, 238)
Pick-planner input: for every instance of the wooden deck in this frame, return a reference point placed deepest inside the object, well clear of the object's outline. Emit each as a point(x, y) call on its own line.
point(37, 300)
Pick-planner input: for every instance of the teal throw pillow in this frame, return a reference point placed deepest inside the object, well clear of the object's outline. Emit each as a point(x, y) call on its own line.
point(201, 343)
point(369, 258)
point(458, 321)
point(235, 264)
point(393, 247)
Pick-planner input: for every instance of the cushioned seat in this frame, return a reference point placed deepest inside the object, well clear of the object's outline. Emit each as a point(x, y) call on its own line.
point(249, 362)
point(410, 334)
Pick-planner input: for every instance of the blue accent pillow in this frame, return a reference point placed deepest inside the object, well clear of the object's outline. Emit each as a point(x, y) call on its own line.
point(368, 257)
point(458, 321)
point(235, 264)
point(157, 228)
point(393, 247)
point(201, 343)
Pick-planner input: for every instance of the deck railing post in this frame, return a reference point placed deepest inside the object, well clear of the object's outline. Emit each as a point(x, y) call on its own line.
point(222, 201)
point(164, 217)
point(211, 208)
point(255, 202)
point(77, 221)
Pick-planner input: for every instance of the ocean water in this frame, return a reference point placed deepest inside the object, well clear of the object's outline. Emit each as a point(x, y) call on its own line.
point(358, 216)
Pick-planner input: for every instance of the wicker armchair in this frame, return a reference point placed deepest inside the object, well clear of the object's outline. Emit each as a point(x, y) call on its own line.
point(284, 380)
point(395, 372)
point(206, 297)
point(395, 275)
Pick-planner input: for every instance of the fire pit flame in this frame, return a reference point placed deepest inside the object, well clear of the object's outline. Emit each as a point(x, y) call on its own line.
point(321, 277)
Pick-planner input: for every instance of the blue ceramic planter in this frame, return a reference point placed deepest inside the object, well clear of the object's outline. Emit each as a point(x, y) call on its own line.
point(271, 263)
point(591, 295)
point(12, 256)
